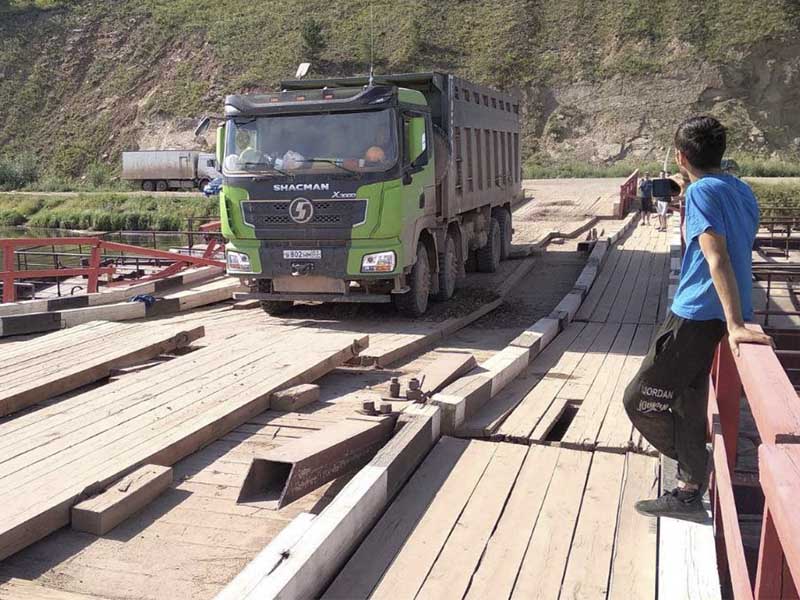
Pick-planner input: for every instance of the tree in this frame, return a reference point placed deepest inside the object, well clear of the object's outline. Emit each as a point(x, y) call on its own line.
point(313, 38)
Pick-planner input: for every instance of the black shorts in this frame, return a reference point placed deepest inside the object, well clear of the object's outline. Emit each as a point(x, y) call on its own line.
point(647, 205)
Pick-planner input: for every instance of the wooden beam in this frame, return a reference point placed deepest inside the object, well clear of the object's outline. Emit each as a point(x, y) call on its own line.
point(294, 398)
point(23, 589)
point(316, 558)
point(58, 371)
point(168, 427)
point(101, 514)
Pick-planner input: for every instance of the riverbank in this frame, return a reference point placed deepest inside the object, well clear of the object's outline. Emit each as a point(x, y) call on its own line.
point(105, 211)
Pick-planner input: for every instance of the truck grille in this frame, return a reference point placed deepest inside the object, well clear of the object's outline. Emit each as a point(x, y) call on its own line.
point(327, 213)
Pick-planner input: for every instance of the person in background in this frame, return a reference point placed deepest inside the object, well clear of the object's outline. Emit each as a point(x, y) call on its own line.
point(646, 197)
point(667, 399)
point(662, 206)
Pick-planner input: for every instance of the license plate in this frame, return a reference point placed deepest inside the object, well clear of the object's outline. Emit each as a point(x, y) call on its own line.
point(302, 254)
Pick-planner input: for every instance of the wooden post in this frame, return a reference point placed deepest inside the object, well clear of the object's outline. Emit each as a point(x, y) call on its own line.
point(770, 561)
point(9, 293)
point(728, 388)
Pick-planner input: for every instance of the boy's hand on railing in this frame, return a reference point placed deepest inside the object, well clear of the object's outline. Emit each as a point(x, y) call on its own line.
point(739, 334)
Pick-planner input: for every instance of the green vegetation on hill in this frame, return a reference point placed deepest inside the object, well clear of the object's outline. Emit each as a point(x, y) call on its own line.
point(81, 79)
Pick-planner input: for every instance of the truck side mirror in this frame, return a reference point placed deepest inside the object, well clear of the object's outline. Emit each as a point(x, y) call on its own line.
point(202, 127)
point(220, 145)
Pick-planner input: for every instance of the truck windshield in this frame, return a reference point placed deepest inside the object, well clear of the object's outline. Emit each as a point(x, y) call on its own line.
point(356, 142)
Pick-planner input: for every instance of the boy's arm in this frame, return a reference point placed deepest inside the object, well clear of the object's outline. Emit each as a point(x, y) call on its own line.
point(716, 253)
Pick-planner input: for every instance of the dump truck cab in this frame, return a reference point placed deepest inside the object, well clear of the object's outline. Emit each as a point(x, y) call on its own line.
point(330, 189)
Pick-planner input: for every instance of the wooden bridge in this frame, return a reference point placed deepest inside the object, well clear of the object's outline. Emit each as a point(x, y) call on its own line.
point(516, 480)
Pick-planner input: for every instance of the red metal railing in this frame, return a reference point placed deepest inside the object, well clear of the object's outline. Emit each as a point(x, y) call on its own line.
point(627, 193)
point(774, 404)
point(10, 274)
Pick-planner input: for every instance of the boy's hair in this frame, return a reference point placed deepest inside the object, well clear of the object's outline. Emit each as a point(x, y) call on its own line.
point(702, 141)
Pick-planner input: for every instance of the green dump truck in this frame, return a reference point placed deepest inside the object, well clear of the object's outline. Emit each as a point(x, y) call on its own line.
point(359, 190)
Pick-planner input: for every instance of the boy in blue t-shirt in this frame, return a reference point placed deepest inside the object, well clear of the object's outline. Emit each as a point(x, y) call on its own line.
point(667, 399)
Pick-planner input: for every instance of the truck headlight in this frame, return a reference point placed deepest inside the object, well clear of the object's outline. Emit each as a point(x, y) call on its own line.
point(380, 262)
point(238, 261)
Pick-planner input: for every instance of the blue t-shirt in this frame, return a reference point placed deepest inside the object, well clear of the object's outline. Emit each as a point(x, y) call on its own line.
point(725, 205)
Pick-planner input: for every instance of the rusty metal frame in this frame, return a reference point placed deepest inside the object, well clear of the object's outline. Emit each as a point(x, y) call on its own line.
point(10, 274)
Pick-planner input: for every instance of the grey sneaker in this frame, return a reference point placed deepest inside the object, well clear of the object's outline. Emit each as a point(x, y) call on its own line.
point(677, 504)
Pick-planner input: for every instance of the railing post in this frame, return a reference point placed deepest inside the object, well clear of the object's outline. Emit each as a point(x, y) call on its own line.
point(728, 389)
point(94, 265)
point(9, 293)
point(770, 561)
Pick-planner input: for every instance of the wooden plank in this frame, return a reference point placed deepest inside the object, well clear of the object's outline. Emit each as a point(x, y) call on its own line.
point(633, 567)
point(61, 380)
point(585, 427)
point(505, 551)
point(407, 573)
point(586, 370)
point(453, 569)
point(492, 415)
point(687, 555)
point(593, 542)
point(520, 423)
point(616, 432)
point(545, 561)
point(166, 441)
point(626, 291)
point(365, 569)
point(23, 589)
point(599, 286)
point(105, 511)
point(651, 261)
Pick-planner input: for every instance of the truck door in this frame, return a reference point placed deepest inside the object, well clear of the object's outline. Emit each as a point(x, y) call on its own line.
point(417, 161)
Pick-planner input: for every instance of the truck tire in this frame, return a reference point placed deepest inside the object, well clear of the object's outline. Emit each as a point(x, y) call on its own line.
point(148, 186)
point(448, 271)
point(489, 255)
point(414, 302)
point(275, 307)
point(504, 219)
point(201, 185)
point(161, 186)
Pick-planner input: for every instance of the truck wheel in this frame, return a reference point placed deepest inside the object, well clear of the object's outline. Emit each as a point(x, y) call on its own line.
point(148, 186)
point(414, 302)
point(161, 186)
point(504, 219)
point(448, 271)
point(202, 184)
point(489, 255)
point(275, 307)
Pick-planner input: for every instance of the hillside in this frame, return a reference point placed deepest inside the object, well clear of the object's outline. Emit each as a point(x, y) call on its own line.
point(80, 80)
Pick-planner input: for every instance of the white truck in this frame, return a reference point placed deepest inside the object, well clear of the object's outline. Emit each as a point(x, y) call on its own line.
point(162, 170)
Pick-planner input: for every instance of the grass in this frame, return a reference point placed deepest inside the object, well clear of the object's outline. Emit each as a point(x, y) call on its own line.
point(773, 196)
point(104, 211)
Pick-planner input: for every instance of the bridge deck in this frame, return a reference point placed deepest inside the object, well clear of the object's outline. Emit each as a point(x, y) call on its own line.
point(545, 509)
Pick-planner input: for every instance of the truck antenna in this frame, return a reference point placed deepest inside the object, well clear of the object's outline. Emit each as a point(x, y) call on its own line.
point(371, 46)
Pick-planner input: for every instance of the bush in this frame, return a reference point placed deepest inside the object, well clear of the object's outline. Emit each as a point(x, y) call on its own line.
point(11, 217)
point(16, 173)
